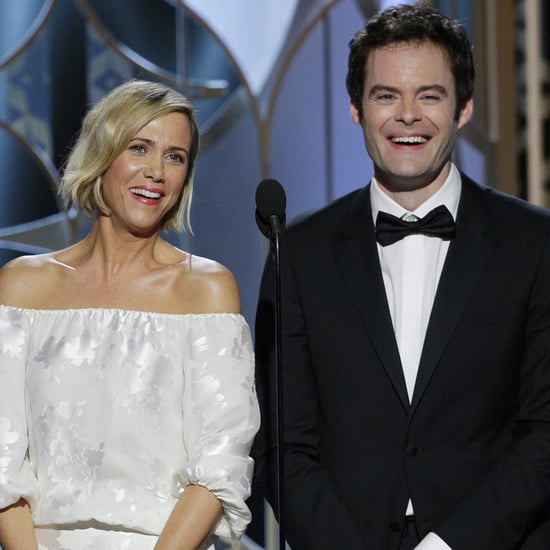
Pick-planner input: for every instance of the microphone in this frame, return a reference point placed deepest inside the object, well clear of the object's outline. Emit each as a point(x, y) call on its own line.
point(270, 207)
point(270, 217)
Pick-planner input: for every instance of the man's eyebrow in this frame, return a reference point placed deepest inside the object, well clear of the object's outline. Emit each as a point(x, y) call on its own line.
point(378, 88)
point(433, 87)
point(381, 88)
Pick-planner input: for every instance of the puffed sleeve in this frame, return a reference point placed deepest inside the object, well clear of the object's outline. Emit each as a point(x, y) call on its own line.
point(221, 416)
point(16, 474)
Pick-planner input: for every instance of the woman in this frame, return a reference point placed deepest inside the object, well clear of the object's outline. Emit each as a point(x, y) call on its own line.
point(127, 400)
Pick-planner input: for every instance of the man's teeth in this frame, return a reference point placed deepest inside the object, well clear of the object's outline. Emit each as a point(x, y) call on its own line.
point(409, 139)
point(146, 193)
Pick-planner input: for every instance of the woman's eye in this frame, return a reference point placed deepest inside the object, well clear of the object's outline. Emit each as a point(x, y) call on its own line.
point(137, 148)
point(177, 157)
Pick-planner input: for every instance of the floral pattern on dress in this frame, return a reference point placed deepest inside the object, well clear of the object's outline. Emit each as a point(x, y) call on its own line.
point(106, 415)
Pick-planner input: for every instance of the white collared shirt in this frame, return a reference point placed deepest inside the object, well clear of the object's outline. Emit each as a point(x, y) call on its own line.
point(411, 268)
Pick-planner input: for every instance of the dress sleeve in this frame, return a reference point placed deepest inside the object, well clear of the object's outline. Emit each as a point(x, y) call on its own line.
point(221, 416)
point(16, 474)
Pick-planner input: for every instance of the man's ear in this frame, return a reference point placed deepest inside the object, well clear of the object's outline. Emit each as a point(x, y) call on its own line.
point(465, 113)
point(354, 113)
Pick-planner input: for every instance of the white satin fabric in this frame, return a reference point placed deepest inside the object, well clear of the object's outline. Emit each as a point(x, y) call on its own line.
point(106, 415)
point(94, 539)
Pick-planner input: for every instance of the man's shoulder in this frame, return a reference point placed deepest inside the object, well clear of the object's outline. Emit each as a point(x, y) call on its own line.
point(509, 208)
point(329, 218)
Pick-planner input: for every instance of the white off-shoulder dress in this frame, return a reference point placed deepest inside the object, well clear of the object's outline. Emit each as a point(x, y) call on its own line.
point(106, 415)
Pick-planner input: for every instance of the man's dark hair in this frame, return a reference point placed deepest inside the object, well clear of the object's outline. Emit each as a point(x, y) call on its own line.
point(412, 23)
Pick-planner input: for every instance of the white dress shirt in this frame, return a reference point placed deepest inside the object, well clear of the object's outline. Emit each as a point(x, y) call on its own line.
point(411, 268)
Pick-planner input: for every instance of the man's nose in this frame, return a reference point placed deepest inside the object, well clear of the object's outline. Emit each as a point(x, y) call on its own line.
point(408, 111)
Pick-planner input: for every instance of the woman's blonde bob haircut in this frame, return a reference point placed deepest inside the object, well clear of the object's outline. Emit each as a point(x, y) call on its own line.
point(106, 131)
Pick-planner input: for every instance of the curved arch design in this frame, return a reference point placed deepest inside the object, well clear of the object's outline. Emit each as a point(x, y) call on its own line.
point(41, 159)
point(30, 34)
point(298, 18)
point(133, 57)
point(42, 234)
point(177, 78)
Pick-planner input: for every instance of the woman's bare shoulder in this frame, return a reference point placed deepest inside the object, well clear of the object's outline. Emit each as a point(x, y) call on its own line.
point(25, 279)
point(208, 286)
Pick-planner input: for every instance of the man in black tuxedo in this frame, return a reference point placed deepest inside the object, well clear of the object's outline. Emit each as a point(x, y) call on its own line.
point(415, 325)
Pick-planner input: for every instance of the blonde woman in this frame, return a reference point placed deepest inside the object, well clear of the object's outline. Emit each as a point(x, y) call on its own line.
point(127, 398)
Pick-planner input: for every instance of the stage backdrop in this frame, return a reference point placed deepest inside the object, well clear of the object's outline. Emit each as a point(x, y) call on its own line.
point(267, 80)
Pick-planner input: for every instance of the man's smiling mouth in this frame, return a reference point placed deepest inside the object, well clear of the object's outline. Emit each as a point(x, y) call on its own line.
point(413, 140)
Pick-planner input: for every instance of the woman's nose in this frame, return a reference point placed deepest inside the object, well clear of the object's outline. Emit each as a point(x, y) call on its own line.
point(155, 170)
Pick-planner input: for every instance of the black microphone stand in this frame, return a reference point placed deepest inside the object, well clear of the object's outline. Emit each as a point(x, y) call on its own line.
point(275, 234)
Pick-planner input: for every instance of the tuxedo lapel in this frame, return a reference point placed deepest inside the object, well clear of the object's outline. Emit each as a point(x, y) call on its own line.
point(357, 259)
point(465, 262)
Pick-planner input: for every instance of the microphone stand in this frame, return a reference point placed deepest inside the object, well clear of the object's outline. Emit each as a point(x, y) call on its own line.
point(276, 230)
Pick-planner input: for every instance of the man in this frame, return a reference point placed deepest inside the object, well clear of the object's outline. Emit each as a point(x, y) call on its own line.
point(416, 366)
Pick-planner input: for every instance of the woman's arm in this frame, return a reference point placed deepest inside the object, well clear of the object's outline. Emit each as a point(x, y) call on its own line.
point(17, 528)
point(191, 521)
point(16, 523)
point(220, 416)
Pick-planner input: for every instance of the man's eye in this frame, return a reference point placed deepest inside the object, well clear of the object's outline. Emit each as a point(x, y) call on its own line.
point(386, 97)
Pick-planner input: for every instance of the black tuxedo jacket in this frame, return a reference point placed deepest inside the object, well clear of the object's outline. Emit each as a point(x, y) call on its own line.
point(472, 450)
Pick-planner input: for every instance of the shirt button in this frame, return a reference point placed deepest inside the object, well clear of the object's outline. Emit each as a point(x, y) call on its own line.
point(412, 449)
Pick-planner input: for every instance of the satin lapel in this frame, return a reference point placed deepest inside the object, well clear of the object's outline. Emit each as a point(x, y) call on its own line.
point(357, 259)
point(465, 262)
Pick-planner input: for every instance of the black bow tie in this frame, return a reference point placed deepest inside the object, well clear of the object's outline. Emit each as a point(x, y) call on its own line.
point(437, 223)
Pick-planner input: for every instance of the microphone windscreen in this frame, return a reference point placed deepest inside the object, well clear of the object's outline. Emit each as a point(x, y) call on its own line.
point(270, 199)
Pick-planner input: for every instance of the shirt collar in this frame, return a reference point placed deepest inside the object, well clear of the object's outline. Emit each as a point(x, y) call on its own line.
point(448, 195)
